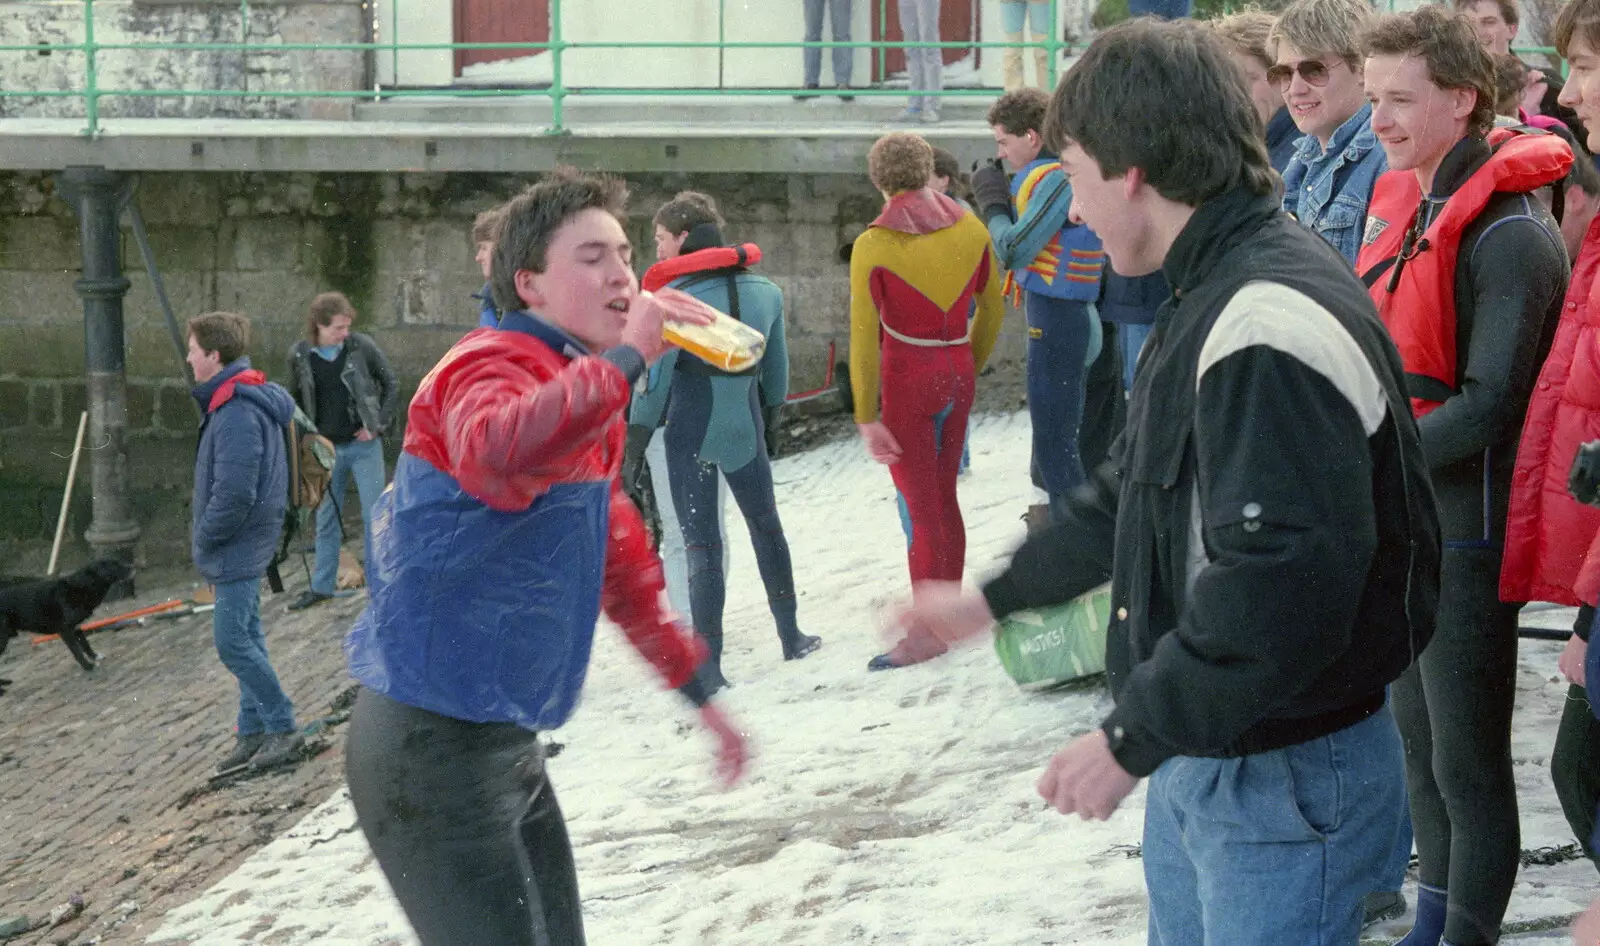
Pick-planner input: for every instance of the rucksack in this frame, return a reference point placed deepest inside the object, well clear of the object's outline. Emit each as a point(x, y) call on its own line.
point(310, 457)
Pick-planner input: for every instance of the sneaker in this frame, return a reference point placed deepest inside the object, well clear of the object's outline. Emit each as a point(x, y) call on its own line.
point(243, 748)
point(1382, 905)
point(279, 748)
point(307, 599)
point(844, 94)
point(883, 662)
point(907, 114)
point(809, 87)
point(803, 645)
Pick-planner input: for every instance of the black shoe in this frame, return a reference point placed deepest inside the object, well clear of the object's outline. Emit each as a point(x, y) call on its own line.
point(243, 748)
point(279, 748)
point(844, 94)
point(1382, 905)
point(803, 645)
point(307, 599)
point(810, 87)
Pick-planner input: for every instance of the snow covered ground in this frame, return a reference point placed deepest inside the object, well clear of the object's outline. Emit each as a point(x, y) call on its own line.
point(884, 808)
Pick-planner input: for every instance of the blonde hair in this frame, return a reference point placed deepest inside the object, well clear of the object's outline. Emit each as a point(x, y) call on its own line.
point(1247, 31)
point(1323, 27)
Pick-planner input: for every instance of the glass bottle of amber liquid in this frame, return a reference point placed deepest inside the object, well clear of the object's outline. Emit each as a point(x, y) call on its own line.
point(726, 343)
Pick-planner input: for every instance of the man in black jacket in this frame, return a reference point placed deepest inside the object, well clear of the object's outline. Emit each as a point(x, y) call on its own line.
point(1266, 522)
point(342, 381)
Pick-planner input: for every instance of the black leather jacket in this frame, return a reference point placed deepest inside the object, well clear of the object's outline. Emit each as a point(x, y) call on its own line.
point(367, 376)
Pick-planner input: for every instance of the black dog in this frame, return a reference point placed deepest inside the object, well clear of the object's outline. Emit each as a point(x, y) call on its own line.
point(58, 605)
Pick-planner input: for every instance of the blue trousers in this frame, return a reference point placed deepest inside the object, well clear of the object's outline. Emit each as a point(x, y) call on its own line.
point(1274, 848)
point(1063, 338)
point(839, 15)
point(362, 461)
point(236, 630)
point(1166, 9)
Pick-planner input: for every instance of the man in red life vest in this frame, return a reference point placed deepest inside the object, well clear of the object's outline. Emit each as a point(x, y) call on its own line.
point(1468, 269)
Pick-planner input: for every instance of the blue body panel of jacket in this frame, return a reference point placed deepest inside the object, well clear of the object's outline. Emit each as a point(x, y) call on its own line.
point(477, 614)
point(488, 315)
point(1078, 243)
point(241, 477)
point(1328, 191)
point(732, 425)
point(1282, 136)
point(1132, 300)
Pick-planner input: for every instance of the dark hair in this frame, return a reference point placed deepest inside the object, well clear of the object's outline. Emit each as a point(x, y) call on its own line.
point(324, 309)
point(1579, 19)
point(900, 161)
point(1020, 110)
point(1448, 46)
point(1508, 10)
point(486, 226)
point(1130, 102)
point(226, 333)
point(945, 165)
point(1510, 79)
point(534, 216)
point(689, 209)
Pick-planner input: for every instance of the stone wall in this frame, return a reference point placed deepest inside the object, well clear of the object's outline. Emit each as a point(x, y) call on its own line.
point(118, 22)
point(264, 244)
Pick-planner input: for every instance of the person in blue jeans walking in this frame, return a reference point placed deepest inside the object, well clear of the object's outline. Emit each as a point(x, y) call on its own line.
point(241, 492)
point(343, 383)
point(1267, 523)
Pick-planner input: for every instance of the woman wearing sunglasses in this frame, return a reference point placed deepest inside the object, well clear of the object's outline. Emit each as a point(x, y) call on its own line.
point(1317, 70)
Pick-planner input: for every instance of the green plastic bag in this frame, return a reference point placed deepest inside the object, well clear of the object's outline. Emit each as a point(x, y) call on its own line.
point(1051, 646)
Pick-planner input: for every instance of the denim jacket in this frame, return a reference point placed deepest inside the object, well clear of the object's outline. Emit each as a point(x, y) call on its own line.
point(1328, 191)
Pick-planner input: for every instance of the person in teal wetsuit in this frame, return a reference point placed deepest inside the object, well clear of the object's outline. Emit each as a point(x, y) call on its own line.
point(714, 422)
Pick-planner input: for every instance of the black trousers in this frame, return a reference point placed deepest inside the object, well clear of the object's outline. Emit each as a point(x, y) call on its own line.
point(1454, 710)
point(464, 826)
point(1575, 761)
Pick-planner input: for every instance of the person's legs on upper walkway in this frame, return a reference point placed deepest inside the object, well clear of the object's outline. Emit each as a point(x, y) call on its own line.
point(919, 21)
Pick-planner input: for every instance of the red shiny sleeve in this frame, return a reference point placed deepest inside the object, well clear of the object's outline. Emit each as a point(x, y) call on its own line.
point(633, 597)
point(494, 425)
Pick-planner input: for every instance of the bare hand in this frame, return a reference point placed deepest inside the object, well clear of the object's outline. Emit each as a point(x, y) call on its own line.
point(943, 611)
point(880, 444)
point(1586, 931)
point(642, 331)
point(1572, 657)
point(1084, 778)
point(363, 435)
point(732, 752)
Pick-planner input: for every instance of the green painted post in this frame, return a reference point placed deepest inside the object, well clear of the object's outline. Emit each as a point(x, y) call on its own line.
point(244, 21)
point(883, 34)
point(91, 76)
point(722, 38)
point(557, 90)
point(394, 43)
point(1055, 42)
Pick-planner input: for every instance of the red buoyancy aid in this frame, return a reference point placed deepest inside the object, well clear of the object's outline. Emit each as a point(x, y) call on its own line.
point(710, 258)
point(1412, 278)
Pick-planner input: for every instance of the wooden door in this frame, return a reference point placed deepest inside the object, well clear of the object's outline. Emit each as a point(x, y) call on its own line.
point(958, 20)
point(499, 21)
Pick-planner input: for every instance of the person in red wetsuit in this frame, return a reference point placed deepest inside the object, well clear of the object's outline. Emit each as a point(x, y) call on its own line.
point(915, 277)
point(504, 535)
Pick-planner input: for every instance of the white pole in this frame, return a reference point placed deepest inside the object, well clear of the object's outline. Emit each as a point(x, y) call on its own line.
point(66, 499)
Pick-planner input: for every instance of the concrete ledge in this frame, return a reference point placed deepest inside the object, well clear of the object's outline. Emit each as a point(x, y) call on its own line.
point(158, 144)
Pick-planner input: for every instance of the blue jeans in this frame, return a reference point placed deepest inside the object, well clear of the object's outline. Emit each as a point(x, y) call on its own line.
point(839, 15)
point(919, 21)
point(1167, 9)
point(1133, 337)
point(1274, 848)
point(361, 460)
point(236, 630)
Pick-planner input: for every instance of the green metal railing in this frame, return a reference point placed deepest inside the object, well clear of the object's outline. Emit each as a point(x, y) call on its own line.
point(557, 46)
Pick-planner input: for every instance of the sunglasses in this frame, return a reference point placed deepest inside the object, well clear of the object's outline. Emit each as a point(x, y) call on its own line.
point(1314, 71)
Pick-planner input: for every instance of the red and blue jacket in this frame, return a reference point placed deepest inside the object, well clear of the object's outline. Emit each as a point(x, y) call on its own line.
point(505, 533)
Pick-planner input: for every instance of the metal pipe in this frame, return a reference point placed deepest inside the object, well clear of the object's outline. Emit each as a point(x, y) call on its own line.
point(143, 239)
point(98, 195)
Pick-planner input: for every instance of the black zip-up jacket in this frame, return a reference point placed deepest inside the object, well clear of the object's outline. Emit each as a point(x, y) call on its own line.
point(373, 392)
point(1266, 521)
point(1511, 277)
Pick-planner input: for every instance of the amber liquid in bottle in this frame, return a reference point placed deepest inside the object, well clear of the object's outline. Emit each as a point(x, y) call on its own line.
point(726, 343)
